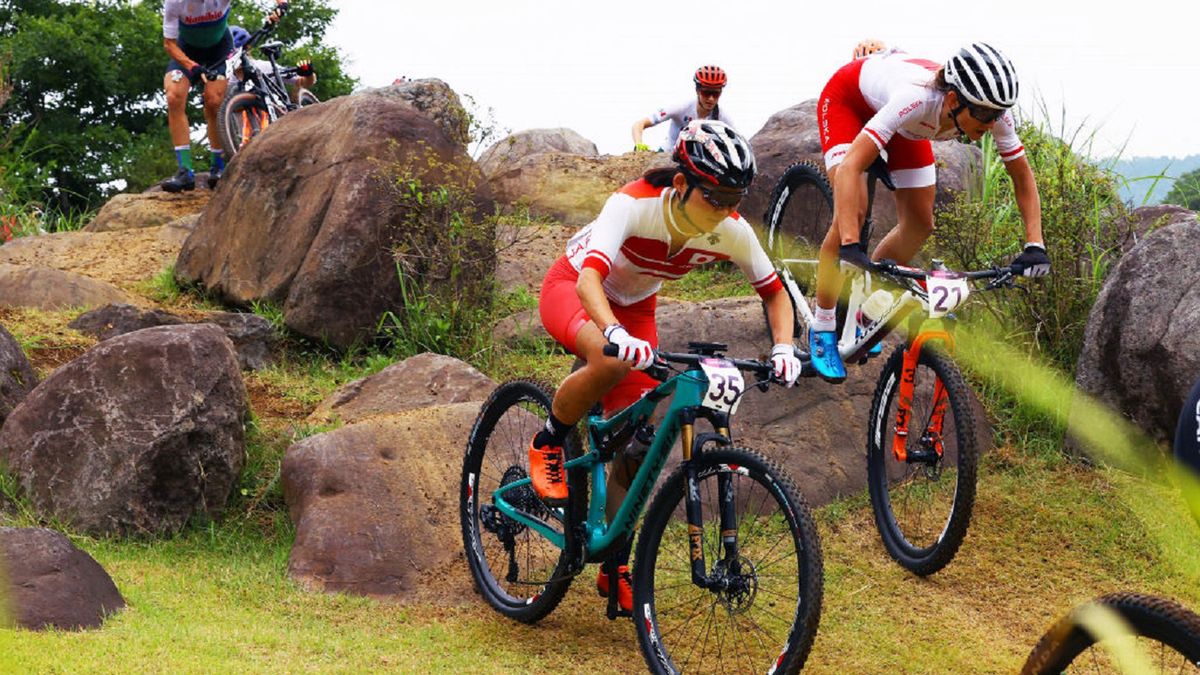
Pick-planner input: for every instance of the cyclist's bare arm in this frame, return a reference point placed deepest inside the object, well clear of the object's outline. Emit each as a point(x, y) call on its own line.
point(849, 188)
point(176, 52)
point(779, 315)
point(638, 127)
point(1028, 201)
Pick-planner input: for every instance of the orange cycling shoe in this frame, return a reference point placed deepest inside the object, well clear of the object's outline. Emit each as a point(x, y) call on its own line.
point(547, 473)
point(624, 587)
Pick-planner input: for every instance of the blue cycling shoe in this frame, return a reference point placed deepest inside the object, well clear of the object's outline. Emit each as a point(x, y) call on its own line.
point(822, 346)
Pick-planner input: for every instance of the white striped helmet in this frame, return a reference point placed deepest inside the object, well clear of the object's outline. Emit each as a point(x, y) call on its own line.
point(983, 76)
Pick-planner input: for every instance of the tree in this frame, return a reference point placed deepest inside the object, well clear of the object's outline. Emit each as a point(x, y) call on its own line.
point(1186, 191)
point(87, 86)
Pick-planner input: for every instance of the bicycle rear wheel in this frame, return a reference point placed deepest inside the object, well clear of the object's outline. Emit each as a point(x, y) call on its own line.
point(923, 503)
point(799, 213)
point(242, 117)
point(761, 610)
point(518, 571)
point(1164, 634)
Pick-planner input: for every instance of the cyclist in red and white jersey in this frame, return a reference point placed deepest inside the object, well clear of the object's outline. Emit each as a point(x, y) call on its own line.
point(710, 82)
point(604, 289)
point(892, 104)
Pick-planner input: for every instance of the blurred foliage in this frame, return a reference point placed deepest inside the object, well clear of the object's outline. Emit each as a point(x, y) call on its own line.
point(1186, 191)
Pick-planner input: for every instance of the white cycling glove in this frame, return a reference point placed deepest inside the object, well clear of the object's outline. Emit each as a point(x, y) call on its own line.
point(631, 349)
point(787, 366)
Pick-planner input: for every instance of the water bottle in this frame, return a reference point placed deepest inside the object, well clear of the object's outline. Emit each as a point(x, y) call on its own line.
point(640, 443)
point(873, 309)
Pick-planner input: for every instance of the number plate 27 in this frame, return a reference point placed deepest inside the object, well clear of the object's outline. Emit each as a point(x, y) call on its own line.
point(725, 385)
point(947, 290)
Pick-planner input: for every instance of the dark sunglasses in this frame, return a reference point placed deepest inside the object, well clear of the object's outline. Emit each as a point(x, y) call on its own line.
point(983, 114)
point(721, 199)
point(716, 93)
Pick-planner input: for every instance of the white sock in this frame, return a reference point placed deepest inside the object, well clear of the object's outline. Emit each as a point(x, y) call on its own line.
point(826, 320)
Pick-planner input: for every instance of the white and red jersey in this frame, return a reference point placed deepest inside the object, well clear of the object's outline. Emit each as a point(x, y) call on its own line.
point(680, 115)
point(629, 245)
point(897, 87)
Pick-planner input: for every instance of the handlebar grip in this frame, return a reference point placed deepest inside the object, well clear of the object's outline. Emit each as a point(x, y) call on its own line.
point(610, 350)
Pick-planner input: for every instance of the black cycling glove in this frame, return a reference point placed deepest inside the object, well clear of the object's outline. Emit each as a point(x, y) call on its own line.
point(855, 254)
point(1033, 261)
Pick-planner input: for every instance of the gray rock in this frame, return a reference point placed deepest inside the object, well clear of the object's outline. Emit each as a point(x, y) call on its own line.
point(517, 146)
point(49, 288)
point(17, 378)
point(421, 381)
point(136, 436)
point(53, 584)
point(1141, 346)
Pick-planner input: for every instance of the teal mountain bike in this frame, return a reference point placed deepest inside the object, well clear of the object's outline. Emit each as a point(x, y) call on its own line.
point(727, 573)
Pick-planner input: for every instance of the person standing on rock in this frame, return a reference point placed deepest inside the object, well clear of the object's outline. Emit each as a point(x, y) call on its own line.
point(604, 291)
point(890, 104)
point(710, 82)
point(196, 37)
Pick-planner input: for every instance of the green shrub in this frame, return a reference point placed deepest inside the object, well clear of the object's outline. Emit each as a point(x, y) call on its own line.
point(445, 257)
point(1085, 226)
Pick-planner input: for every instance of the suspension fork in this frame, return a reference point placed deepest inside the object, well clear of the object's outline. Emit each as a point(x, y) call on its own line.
point(695, 515)
point(908, 375)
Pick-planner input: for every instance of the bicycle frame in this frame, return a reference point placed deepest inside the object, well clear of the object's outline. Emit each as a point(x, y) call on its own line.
point(686, 391)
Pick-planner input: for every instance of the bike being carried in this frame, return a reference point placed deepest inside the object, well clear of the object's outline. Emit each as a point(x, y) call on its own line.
point(258, 94)
point(877, 116)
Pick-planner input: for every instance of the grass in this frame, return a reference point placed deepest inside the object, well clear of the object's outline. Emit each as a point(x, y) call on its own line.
point(1044, 538)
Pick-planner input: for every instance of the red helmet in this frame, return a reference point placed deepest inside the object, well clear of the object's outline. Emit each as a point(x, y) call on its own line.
point(709, 76)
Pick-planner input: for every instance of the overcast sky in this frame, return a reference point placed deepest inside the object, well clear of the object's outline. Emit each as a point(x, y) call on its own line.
point(1131, 76)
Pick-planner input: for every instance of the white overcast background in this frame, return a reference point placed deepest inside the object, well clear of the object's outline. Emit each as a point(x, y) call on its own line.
point(1127, 72)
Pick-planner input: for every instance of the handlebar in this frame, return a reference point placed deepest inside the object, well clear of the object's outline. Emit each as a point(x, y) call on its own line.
point(764, 371)
point(1002, 276)
point(268, 26)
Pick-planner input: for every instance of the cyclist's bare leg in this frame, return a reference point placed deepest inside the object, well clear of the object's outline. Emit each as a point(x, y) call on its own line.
point(914, 206)
point(584, 387)
point(177, 94)
point(829, 276)
point(214, 94)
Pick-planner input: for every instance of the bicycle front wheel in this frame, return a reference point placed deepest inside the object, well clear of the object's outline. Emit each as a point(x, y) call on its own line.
point(1165, 637)
point(242, 117)
point(923, 501)
point(518, 571)
point(305, 98)
point(761, 600)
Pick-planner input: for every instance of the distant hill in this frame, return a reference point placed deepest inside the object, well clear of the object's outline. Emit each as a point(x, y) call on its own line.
point(1142, 190)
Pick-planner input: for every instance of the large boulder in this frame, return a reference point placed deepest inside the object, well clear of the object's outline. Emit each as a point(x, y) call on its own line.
point(137, 435)
point(50, 289)
point(253, 336)
point(421, 381)
point(375, 504)
point(517, 146)
point(525, 254)
point(315, 214)
point(1141, 346)
point(51, 583)
point(791, 135)
point(149, 209)
point(568, 187)
point(17, 378)
point(121, 258)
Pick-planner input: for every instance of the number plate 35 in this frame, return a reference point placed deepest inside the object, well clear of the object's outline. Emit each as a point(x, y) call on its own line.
point(725, 385)
point(947, 290)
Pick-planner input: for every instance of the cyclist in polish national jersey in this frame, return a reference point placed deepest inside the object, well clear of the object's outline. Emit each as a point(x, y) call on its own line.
point(710, 82)
point(603, 291)
point(892, 104)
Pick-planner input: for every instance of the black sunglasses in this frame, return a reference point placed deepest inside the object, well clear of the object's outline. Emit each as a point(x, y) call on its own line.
point(984, 115)
point(721, 199)
point(708, 92)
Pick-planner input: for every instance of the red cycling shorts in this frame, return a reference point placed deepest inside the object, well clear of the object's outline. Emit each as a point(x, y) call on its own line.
point(842, 112)
point(563, 315)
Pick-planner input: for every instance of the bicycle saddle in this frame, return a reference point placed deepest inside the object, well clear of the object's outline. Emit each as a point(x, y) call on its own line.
point(879, 171)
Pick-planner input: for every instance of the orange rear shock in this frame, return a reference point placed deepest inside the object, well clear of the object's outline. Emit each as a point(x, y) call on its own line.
point(908, 375)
